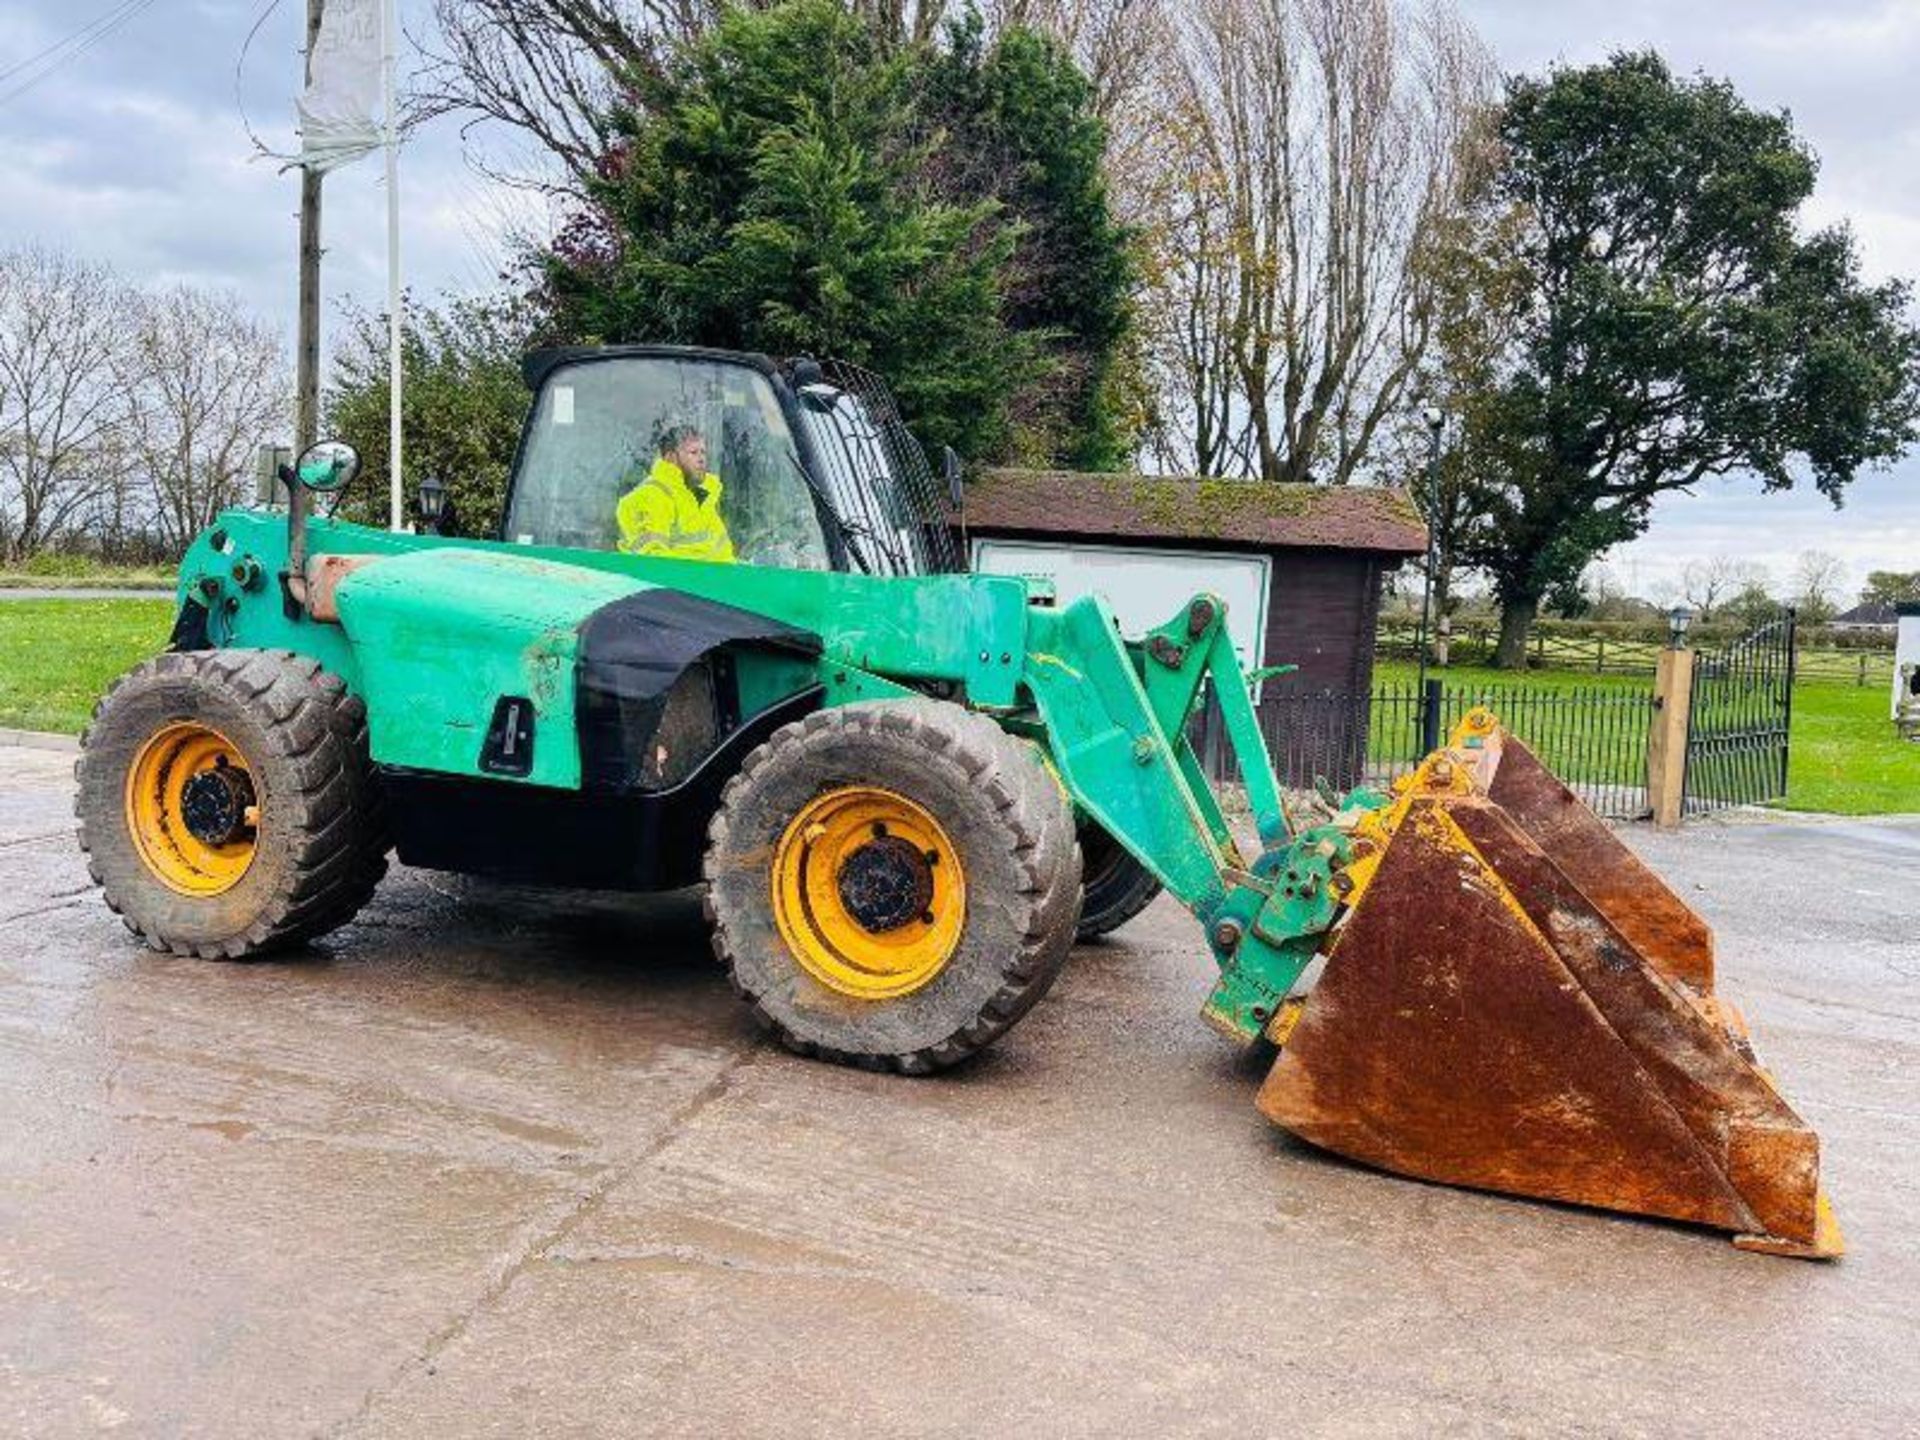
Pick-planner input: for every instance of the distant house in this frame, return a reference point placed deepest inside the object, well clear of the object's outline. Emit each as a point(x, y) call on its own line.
point(1300, 567)
point(1874, 616)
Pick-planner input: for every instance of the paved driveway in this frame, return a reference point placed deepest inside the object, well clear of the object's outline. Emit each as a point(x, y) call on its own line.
point(491, 1166)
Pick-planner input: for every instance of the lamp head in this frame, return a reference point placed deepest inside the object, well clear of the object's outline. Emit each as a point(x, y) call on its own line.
point(433, 501)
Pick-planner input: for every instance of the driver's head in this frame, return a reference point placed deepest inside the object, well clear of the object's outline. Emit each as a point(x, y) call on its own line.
point(686, 447)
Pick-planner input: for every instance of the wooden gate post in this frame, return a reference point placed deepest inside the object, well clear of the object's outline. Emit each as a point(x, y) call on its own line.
point(1667, 736)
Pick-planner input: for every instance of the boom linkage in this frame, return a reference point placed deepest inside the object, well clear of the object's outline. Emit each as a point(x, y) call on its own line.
point(1116, 716)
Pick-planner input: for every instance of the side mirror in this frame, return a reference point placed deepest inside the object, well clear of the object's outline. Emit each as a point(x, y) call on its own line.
point(950, 463)
point(327, 466)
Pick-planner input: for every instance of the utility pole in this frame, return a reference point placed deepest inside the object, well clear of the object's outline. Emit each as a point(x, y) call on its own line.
point(306, 385)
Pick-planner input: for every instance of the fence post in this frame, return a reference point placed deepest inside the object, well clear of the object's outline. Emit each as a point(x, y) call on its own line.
point(1430, 718)
point(1667, 736)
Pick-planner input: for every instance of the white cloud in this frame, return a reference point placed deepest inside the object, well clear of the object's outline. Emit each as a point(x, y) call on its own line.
point(135, 154)
point(1868, 34)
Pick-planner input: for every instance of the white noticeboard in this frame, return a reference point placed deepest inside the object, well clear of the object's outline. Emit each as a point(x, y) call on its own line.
point(1906, 651)
point(1145, 588)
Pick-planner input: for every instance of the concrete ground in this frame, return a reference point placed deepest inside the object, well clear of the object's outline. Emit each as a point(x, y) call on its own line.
point(485, 1166)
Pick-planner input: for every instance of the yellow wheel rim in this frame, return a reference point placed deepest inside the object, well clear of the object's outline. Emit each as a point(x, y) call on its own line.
point(869, 893)
point(191, 809)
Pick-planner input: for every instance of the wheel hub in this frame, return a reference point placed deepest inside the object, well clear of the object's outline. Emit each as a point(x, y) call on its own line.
point(869, 892)
point(192, 811)
point(214, 804)
point(888, 883)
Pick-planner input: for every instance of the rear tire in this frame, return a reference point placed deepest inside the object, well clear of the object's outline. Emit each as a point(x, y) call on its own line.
point(316, 844)
point(1118, 887)
point(1009, 830)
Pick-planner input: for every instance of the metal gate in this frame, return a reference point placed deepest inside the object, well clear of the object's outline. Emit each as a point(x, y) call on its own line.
point(1594, 737)
point(1737, 724)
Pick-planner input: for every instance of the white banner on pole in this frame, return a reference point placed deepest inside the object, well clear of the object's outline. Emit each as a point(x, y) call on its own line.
point(341, 111)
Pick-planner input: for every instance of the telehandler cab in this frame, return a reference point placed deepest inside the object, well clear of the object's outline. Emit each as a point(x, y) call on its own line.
point(887, 773)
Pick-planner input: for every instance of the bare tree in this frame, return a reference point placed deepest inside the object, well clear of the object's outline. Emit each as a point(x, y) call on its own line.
point(204, 380)
point(60, 410)
point(1819, 579)
point(1185, 314)
point(1711, 582)
point(1476, 297)
point(1327, 136)
point(548, 71)
point(902, 22)
point(1118, 43)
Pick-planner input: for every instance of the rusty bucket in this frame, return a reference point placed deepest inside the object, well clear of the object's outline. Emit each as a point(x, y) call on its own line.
point(1516, 1003)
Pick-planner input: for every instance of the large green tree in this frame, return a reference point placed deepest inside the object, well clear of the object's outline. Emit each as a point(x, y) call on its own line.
point(795, 185)
point(462, 406)
point(1891, 587)
point(1676, 325)
point(1017, 124)
point(1480, 290)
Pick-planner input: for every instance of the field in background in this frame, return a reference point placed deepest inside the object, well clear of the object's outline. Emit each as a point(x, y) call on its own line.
point(50, 569)
point(56, 656)
point(1846, 756)
point(1867, 665)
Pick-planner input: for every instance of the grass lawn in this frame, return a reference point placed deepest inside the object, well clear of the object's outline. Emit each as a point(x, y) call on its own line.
point(56, 656)
point(1846, 756)
point(48, 570)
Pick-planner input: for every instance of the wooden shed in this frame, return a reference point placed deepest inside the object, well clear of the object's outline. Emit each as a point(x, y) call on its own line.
point(1311, 557)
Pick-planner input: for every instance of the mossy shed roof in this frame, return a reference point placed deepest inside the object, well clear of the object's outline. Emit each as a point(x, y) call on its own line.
point(1240, 513)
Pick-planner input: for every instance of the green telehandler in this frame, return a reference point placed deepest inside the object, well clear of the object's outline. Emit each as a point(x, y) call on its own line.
point(888, 776)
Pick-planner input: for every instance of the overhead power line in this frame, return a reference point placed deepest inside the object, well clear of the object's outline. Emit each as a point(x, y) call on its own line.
point(62, 43)
point(23, 75)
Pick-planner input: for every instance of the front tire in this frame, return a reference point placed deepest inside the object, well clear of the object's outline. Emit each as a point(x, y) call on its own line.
point(892, 885)
point(227, 804)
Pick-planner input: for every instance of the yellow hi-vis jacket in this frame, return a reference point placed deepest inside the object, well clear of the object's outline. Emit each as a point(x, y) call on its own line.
point(663, 515)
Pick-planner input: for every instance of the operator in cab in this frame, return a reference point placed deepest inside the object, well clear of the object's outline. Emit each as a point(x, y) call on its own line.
point(674, 510)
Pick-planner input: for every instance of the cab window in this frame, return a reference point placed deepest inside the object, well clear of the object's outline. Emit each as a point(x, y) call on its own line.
point(595, 434)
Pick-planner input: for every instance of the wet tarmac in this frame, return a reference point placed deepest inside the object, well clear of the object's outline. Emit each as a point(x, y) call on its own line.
point(494, 1164)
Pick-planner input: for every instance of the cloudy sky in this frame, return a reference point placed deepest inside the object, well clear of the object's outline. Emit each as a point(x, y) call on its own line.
point(132, 151)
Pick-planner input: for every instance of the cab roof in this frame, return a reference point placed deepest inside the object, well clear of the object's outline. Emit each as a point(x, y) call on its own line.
point(539, 364)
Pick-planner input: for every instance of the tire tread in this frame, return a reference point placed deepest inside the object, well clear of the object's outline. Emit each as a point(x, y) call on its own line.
point(1026, 802)
point(317, 731)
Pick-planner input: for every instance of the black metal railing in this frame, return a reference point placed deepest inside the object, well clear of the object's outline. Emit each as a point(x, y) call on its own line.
point(1593, 737)
point(1737, 725)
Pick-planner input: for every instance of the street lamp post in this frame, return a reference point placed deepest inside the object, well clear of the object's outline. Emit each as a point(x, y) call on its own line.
point(1678, 619)
point(1436, 423)
point(433, 504)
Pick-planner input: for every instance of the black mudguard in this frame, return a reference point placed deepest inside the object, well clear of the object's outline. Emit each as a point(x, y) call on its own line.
point(654, 686)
